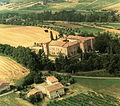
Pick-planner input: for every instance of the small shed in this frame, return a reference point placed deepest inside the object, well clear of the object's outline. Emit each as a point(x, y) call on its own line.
point(4, 86)
point(51, 80)
point(34, 92)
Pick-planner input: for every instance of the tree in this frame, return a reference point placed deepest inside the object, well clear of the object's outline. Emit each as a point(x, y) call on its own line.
point(102, 42)
point(51, 35)
point(38, 78)
point(60, 34)
point(45, 2)
point(35, 98)
point(114, 65)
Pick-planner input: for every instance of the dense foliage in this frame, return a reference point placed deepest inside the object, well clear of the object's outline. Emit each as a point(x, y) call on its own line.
point(108, 57)
point(37, 18)
point(105, 43)
point(35, 98)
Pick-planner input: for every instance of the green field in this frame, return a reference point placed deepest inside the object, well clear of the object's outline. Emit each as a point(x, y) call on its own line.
point(67, 28)
point(99, 4)
point(111, 87)
point(109, 25)
point(57, 5)
point(90, 29)
point(13, 100)
point(91, 99)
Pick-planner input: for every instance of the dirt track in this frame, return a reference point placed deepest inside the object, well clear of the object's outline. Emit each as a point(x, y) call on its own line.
point(104, 78)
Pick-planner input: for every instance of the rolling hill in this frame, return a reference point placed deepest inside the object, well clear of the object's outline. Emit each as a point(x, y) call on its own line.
point(23, 35)
point(57, 5)
point(10, 70)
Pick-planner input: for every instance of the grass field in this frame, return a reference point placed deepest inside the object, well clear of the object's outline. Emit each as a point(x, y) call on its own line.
point(110, 87)
point(13, 100)
point(34, 5)
point(90, 30)
point(79, 5)
point(110, 25)
point(23, 35)
point(10, 70)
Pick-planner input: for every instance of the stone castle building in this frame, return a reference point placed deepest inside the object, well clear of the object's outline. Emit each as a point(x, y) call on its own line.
point(67, 46)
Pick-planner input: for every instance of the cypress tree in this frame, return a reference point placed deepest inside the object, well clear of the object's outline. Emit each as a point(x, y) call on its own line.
point(51, 35)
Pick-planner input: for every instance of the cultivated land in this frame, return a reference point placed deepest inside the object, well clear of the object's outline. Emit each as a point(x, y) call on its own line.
point(10, 70)
point(23, 35)
point(80, 5)
point(109, 87)
point(83, 85)
point(78, 27)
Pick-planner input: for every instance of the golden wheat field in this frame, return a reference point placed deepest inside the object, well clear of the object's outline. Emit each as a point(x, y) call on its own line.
point(10, 70)
point(24, 35)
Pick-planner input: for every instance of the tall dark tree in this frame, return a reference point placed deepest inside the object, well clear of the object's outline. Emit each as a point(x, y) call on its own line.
point(51, 35)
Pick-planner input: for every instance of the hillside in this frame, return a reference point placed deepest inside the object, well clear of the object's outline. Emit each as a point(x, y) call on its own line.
point(10, 70)
point(23, 35)
point(57, 5)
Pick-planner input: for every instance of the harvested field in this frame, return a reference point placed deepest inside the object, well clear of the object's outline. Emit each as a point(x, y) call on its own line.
point(24, 35)
point(10, 70)
point(67, 25)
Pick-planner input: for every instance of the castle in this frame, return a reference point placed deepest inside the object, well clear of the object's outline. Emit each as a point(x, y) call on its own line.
point(68, 46)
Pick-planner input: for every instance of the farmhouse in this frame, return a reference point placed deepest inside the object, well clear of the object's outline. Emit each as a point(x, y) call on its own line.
point(4, 86)
point(55, 90)
point(52, 88)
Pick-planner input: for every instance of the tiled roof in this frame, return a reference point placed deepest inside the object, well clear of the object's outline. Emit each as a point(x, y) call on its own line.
point(52, 79)
point(34, 91)
point(62, 43)
point(54, 87)
point(82, 39)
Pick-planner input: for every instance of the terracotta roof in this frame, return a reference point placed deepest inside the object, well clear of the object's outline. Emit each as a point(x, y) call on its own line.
point(52, 79)
point(82, 39)
point(54, 87)
point(62, 43)
point(33, 91)
point(70, 44)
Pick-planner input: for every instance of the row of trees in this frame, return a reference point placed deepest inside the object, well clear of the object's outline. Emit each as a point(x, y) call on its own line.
point(75, 16)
